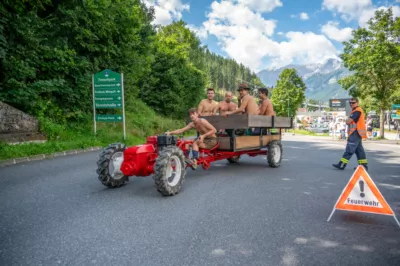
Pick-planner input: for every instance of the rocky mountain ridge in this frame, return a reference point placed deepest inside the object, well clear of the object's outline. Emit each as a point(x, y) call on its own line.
point(320, 79)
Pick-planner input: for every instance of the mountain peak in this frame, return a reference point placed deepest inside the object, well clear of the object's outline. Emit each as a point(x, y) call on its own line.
point(321, 79)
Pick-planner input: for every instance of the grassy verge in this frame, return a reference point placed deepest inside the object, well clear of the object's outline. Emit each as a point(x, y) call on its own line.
point(307, 133)
point(141, 121)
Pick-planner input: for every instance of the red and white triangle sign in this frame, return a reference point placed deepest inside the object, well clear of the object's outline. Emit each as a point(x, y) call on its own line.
point(362, 195)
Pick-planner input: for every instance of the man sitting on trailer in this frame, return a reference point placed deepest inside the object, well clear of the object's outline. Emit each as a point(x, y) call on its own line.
point(248, 104)
point(208, 107)
point(266, 108)
point(206, 140)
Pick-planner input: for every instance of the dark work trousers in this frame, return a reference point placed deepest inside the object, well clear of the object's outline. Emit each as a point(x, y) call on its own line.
point(354, 145)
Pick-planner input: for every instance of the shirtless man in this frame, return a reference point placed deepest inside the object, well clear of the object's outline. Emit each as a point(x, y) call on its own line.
point(248, 105)
point(207, 138)
point(227, 105)
point(266, 107)
point(208, 106)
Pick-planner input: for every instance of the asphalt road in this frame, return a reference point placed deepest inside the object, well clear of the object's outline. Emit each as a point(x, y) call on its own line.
point(57, 212)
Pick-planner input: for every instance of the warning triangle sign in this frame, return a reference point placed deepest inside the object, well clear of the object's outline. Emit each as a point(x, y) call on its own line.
point(362, 195)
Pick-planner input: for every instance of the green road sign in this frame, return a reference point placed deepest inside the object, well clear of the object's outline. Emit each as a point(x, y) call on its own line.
point(107, 90)
point(395, 116)
point(109, 118)
point(108, 93)
point(108, 104)
point(107, 98)
point(396, 106)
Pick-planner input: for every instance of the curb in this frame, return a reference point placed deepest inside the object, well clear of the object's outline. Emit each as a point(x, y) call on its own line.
point(40, 157)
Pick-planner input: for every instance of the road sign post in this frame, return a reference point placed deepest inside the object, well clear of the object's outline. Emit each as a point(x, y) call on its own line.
point(108, 93)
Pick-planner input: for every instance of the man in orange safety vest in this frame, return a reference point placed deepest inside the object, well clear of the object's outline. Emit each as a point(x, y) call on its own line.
point(357, 132)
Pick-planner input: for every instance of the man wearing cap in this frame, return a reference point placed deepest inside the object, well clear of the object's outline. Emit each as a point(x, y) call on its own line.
point(357, 132)
point(247, 104)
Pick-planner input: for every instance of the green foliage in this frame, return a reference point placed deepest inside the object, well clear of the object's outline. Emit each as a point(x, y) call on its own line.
point(374, 55)
point(289, 93)
point(51, 52)
point(141, 121)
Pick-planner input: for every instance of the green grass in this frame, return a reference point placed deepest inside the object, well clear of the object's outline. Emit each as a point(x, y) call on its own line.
point(141, 121)
point(307, 133)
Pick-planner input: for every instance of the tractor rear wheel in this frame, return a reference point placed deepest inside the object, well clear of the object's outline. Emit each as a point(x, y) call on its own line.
point(234, 159)
point(169, 171)
point(274, 155)
point(109, 164)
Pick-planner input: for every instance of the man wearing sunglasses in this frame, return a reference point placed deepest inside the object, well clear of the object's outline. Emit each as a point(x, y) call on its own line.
point(357, 132)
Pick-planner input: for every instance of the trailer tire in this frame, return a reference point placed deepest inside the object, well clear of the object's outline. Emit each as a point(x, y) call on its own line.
point(113, 156)
point(163, 168)
point(234, 159)
point(274, 156)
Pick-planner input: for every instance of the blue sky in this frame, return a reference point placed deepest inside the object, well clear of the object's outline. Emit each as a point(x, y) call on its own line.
point(272, 33)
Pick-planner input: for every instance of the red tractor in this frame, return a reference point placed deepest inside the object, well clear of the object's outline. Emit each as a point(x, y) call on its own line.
point(164, 156)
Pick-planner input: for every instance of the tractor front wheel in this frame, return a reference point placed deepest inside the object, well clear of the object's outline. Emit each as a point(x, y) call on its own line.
point(274, 155)
point(109, 164)
point(169, 171)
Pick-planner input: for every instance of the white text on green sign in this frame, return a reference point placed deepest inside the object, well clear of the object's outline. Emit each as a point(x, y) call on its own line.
point(109, 118)
point(108, 105)
point(105, 91)
point(111, 98)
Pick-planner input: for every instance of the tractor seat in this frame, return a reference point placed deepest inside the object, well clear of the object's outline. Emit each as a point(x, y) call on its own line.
point(209, 150)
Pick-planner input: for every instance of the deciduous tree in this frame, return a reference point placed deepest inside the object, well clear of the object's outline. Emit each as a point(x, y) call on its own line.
point(373, 55)
point(289, 93)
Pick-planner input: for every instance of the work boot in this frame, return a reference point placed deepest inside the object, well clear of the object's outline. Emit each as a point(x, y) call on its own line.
point(340, 165)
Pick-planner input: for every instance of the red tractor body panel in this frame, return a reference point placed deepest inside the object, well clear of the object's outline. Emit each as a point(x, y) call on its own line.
point(139, 160)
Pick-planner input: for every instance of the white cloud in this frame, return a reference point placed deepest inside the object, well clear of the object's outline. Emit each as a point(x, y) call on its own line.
point(359, 10)
point(369, 13)
point(246, 36)
point(261, 5)
point(167, 10)
point(349, 9)
point(229, 14)
point(304, 16)
point(332, 31)
point(306, 48)
point(199, 31)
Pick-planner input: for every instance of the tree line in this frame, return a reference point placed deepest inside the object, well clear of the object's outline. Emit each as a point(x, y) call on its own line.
point(49, 50)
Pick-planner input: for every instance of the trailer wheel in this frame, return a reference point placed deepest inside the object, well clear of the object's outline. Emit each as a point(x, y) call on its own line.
point(234, 159)
point(109, 164)
point(274, 155)
point(169, 171)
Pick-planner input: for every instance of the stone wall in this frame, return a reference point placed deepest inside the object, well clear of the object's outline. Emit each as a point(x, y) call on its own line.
point(13, 120)
point(16, 126)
